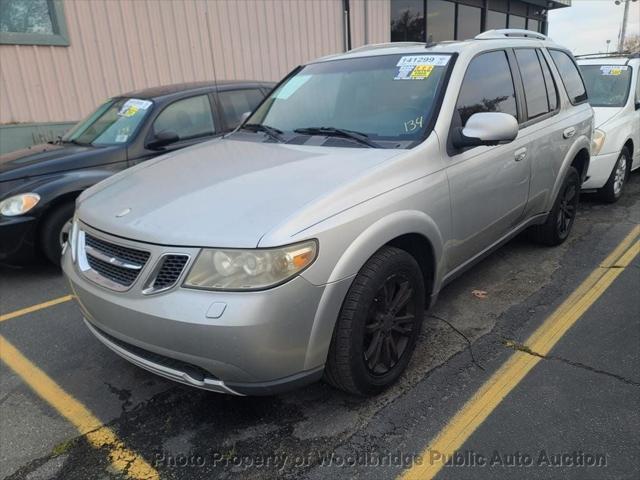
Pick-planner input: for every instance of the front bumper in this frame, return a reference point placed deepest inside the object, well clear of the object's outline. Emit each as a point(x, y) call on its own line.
point(258, 345)
point(17, 238)
point(600, 168)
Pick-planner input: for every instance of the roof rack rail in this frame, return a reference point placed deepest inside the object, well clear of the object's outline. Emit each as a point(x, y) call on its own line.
point(609, 55)
point(510, 33)
point(375, 46)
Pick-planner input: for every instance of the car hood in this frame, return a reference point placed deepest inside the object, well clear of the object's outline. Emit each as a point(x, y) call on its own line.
point(224, 193)
point(602, 115)
point(49, 158)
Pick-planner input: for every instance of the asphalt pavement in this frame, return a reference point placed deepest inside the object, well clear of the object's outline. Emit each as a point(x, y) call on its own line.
point(580, 400)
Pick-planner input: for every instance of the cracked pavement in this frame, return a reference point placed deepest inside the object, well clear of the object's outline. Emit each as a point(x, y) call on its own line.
point(584, 396)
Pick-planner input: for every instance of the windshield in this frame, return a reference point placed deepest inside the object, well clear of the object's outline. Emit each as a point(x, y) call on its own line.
point(386, 98)
point(113, 123)
point(607, 85)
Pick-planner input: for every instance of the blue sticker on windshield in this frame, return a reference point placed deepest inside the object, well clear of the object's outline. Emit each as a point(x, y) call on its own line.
point(419, 67)
point(614, 70)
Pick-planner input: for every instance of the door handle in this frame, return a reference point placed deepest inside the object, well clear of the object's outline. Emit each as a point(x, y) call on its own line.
point(569, 132)
point(520, 154)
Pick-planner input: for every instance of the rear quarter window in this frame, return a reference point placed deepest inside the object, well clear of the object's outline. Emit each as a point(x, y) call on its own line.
point(570, 75)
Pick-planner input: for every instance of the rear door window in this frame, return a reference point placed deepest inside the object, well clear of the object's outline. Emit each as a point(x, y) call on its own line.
point(487, 87)
point(533, 81)
point(570, 75)
point(552, 90)
point(236, 102)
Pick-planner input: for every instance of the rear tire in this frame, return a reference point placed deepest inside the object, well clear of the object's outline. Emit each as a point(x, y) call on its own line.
point(612, 190)
point(556, 229)
point(378, 325)
point(55, 231)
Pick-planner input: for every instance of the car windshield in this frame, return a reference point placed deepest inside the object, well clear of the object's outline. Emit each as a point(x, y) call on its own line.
point(386, 99)
point(607, 85)
point(112, 123)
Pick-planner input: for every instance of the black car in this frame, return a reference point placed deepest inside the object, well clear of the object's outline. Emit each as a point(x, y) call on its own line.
point(39, 185)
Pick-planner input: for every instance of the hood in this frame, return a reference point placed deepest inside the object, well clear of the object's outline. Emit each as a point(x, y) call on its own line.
point(49, 158)
point(602, 115)
point(224, 193)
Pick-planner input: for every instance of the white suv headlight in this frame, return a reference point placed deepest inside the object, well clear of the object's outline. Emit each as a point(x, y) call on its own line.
point(255, 269)
point(597, 141)
point(18, 204)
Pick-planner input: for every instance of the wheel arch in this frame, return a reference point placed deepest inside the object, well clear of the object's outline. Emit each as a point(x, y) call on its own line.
point(411, 230)
point(629, 146)
point(581, 163)
point(578, 156)
point(63, 189)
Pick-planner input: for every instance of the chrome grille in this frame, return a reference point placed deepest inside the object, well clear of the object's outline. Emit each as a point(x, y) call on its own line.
point(112, 265)
point(123, 276)
point(127, 254)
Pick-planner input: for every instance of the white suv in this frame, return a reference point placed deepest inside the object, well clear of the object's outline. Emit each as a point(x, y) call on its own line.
point(614, 93)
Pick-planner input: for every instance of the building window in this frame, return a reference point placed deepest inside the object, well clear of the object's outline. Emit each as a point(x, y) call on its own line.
point(496, 20)
point(32, 22)
point(407, 21)
point(468, 22)
point(516, 21)
point(440, 20)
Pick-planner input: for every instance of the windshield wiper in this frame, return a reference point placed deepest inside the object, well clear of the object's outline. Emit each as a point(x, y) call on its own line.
point(272, 132)
point(359, 137)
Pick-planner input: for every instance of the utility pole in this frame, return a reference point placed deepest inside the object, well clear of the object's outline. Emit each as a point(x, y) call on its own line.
point(625, 16)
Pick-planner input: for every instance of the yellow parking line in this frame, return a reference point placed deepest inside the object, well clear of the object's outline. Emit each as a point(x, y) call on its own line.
point(98, 436)
point(35, 308)
point(490, 395)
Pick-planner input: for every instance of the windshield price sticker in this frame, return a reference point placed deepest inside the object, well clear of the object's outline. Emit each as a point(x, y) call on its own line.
point(419, 67)
point(133, 106)
point(418, 72)
point(415, 60)
point(614, 70)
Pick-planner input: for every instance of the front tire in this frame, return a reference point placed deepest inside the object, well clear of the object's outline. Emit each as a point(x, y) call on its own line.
point(612, 190)
point(378, 325)
point(560, 220)
point(55, 231)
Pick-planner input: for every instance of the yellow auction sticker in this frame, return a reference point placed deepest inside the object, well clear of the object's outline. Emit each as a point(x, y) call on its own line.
point(420, 72)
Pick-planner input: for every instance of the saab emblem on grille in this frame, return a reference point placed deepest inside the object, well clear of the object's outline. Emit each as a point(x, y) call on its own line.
point(124, 212)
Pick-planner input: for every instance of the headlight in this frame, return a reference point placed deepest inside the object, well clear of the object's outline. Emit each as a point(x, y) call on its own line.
point(219, 269)
point(597, 141)
point(18, 204)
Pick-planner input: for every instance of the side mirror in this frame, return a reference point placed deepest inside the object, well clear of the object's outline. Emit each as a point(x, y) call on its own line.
point(486, 128)
point(162, 139)
point(244, 117)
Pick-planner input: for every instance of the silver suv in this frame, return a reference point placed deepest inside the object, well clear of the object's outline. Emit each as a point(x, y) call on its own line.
point(309, 242)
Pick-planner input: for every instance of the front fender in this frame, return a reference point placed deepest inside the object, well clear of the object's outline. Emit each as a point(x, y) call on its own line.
point(351, 261)
point(64, 184)
point(581, 142)
point(382, 232)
